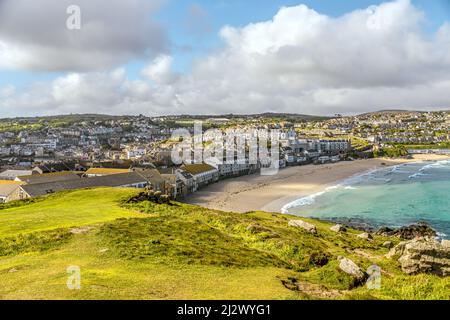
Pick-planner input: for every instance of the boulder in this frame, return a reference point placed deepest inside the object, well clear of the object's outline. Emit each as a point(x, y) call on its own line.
point(445, 243)
point(388, 244)
point(304, 225)
point(423, 256)
point(365, 235)
point(385, 232)
point(397, 251)
point(351, 268)
point(409, 232)
point(338, 228)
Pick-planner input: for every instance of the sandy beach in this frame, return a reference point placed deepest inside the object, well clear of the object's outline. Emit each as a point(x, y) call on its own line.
point(271, 193)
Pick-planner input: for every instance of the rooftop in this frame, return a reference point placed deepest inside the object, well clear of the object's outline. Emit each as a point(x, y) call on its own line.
point(106, 171)
point(12, 174)
point(8, 186)
point(198, 168)
point(116, 180)
point(48, 177)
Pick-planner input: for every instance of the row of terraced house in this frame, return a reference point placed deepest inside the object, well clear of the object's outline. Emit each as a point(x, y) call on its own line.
point(23, 184)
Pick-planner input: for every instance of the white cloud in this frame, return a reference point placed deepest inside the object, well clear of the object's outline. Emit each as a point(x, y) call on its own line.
point(160, 70)
point(34, 36)
point(300, 61)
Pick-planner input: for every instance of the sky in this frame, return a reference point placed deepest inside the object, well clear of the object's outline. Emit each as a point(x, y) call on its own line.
point(158, 57)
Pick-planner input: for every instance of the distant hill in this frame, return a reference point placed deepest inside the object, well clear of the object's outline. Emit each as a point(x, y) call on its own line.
point(387, 111)
point(73, 117)
point(390, 111)
point(100, 117)
point(264, 115)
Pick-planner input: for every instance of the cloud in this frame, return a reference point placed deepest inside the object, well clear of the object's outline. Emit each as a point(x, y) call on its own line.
point(160, 70)
point(99, 92)
point(303, 61)
point(34, 36)
point(299, 61)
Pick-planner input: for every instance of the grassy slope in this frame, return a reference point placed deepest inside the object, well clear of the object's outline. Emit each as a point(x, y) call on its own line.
point(64, 210)
point(149, 251)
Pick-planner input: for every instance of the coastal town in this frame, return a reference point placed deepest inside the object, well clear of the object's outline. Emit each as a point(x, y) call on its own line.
point(225, 159)
point(45, 155)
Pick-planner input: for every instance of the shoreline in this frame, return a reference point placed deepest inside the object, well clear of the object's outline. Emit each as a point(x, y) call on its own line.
point(272, 193)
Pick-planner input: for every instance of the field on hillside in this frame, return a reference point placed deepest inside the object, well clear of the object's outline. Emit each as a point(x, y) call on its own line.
point(179, 251)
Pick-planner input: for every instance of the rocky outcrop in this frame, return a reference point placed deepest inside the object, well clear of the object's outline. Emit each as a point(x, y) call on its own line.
point(304, 225)
point(338, 228)
point(365, 236)
point(408, 232)
point(424, 255)
point(151, 195)
point(352, 269)
point(388, 244)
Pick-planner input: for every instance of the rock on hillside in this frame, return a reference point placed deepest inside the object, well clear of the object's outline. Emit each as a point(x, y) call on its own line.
point(304, 225)
point(338, 228)
point(365, 236)
point(422, 256)
point(409, 232)
point(388, 244)
point(352, 269)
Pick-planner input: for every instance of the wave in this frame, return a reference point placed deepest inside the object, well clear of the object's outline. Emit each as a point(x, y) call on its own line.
point(441, 235)
point(430, 166)
point(396, 168)
point(417, 174)
point(370, 175)
point(360, 177)
point(308, 200)
point(305, 201)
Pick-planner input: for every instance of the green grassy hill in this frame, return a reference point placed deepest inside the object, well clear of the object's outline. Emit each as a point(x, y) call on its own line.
point(151, 251)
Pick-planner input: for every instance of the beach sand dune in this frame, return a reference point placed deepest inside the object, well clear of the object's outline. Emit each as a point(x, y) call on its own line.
point(271, 193)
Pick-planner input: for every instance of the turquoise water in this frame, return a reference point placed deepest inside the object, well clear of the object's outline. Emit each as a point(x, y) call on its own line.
point(392, 196)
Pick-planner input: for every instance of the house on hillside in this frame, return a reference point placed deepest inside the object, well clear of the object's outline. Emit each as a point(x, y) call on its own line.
point(7, 190)
point(153, 177)
point(187, 179)
point(121, 180)
point(203, 173)
point(58, 167)
point(175, 188)
point(227, 170)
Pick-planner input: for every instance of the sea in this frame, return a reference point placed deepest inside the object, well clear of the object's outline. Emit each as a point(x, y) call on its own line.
point(390, 196)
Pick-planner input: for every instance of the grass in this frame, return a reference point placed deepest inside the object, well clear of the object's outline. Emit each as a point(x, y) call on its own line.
point(64, 210)
point(150, 251)
point(440, 145)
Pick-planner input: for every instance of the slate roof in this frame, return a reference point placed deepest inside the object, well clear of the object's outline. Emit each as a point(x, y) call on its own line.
point(151, 175)
point(8, 186)
point(49, 177)
point(198, 168)
point(115, 180)
point(57, 167)
point(106, 171)
point(12, 174)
